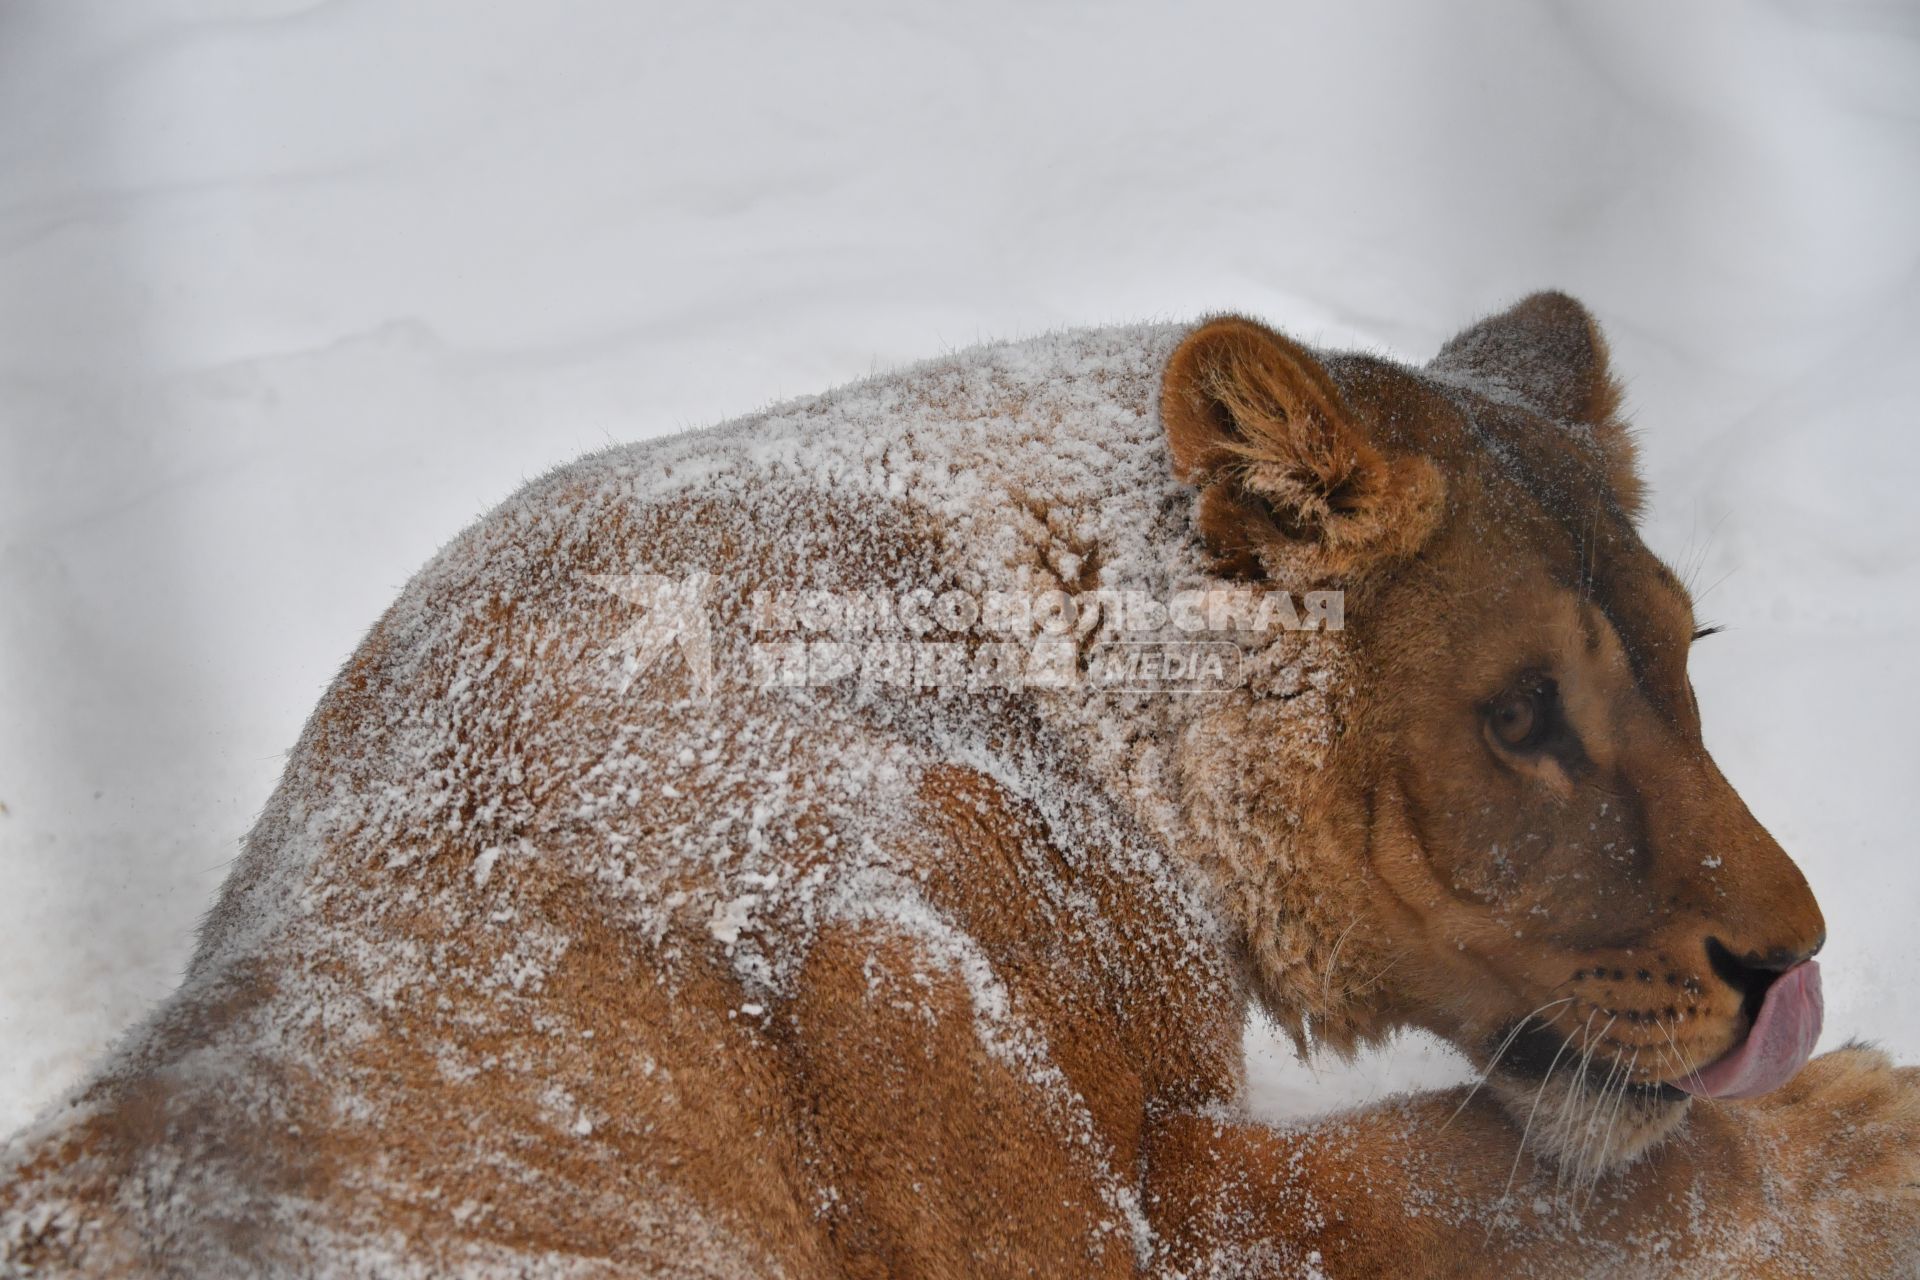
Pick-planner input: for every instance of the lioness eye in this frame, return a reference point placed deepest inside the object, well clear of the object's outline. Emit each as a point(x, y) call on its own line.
point(1519, 719)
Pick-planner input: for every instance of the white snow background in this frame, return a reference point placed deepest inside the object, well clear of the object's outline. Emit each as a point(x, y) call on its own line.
point(289, 292)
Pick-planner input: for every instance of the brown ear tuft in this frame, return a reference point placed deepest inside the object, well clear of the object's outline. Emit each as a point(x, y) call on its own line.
point(1547, 350)
point(1284, 468)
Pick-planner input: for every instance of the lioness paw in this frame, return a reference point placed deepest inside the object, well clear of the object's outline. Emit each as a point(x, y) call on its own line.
point(1852, 1119)
point(1836, 1179)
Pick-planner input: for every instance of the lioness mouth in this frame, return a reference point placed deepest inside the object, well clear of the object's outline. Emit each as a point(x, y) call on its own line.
point(1783, 1027)
point(1776, 1046)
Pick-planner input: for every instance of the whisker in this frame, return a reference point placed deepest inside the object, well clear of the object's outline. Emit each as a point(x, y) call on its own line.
point(1626, 1079)
point(1681, 1071)
point(1333, 959)
point(1586, 1142)
point(1576, 1098)
point(1378, 974)
point(1514, 1172)
point(1593, 1148)
point(1570, 1102)
point(1501, 1052)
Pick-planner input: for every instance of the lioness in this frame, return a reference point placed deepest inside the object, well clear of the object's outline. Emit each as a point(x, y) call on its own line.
point(687, 878)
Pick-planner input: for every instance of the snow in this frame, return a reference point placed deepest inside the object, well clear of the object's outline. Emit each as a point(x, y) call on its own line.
point(289, 292)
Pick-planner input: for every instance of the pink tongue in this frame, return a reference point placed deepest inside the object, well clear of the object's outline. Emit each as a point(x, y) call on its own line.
point(1779, 1044)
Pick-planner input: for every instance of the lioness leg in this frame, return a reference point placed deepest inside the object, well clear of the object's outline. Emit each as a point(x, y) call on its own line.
point(1822, 1179)
point(944, 1139)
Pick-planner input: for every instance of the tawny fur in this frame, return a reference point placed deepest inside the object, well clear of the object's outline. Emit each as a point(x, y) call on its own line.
point(539, 964)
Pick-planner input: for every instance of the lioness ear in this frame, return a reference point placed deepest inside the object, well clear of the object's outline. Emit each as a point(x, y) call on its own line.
point(1548, 351)
point(1288, 478)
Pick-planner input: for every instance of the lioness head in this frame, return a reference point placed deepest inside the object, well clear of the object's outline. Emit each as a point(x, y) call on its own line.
point(1526, 846)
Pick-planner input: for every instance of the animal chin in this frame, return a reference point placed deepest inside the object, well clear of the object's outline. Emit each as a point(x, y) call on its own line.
point(1586, 1131)
point(1584, 1114)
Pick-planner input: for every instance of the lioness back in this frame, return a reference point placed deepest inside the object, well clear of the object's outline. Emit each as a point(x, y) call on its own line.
point(823, 975)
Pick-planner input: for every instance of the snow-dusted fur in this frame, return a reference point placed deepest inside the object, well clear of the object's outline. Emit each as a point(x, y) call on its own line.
point(541, 963)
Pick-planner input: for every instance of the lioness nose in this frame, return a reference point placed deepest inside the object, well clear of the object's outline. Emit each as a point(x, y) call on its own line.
point(1780, 959)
